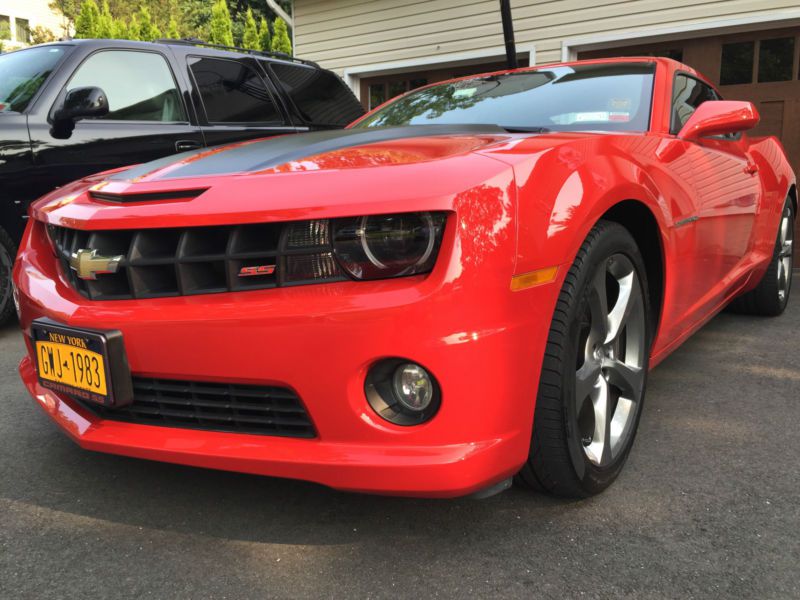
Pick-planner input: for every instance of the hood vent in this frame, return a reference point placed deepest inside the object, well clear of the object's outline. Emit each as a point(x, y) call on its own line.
point(146, 197)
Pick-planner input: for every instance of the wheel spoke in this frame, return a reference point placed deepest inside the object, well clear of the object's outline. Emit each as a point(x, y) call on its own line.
point(784, 235)
point(622, 308)
point(586, 381)
point(598, 449)
point(627, 378)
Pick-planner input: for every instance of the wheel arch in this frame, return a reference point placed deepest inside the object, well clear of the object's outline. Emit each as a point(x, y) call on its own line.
point(793, 196)
point(641, 223)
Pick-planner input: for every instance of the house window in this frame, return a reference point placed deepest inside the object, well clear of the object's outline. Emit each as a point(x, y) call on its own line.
point(386, 90)
point(5, 28)
point(737, 63)
point(377, 95)
point(23, 27)
point(769, 60)
point(775, 59)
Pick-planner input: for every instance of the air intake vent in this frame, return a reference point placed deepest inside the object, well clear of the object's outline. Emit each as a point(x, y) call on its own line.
point(151, 197)
point(212, 407)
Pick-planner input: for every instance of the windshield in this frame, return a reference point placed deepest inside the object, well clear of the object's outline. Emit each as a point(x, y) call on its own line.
point(22, 73)
point(606, 97)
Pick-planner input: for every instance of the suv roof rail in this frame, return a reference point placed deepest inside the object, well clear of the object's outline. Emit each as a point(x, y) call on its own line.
point(190, 41)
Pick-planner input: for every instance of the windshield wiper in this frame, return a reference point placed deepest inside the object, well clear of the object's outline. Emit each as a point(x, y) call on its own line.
point(524, 129)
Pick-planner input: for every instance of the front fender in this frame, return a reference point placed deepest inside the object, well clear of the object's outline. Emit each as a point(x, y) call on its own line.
point(562, 194)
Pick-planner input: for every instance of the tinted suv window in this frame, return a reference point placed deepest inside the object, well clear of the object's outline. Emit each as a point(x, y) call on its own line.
point(139, 85)
point(232, 92)
point(320, 96)
point(687, 94)
point(22, 73)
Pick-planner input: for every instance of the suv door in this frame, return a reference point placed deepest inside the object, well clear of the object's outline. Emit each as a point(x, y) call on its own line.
point(234, 101)
point(147, 118)
point(726, 194)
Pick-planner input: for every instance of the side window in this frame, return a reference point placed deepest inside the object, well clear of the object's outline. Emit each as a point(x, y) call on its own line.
point(139, 85)
point(688, 93)
point(320, 96)
point(233, 92)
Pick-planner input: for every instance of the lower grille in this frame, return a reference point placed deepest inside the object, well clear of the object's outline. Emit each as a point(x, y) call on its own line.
point(213, 407)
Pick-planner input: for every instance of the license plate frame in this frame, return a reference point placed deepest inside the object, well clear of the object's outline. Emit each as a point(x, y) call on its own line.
point(108, 343)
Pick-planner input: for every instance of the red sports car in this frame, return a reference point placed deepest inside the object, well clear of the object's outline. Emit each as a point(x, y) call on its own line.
point(467, 285)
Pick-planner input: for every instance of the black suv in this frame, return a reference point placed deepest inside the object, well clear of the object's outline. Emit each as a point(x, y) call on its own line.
point(70, 109)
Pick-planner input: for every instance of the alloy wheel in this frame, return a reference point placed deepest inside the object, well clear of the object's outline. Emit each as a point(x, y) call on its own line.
point(610, 370)
point(785, 256)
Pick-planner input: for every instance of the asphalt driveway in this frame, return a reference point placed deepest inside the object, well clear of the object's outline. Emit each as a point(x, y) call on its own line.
point(708, 506)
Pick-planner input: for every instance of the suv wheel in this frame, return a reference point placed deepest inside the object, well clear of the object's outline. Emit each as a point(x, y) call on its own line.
point(8, 251)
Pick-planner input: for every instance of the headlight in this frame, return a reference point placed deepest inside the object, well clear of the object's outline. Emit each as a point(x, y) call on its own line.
point(380, 246)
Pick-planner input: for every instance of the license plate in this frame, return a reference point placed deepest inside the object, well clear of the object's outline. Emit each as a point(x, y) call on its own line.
point(88, 364)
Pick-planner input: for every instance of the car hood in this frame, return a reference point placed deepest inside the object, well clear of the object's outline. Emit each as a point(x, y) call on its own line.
point(315, 175)
point(334, 149)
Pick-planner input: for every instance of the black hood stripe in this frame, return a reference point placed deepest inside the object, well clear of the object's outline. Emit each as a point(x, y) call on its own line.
point(271, 152)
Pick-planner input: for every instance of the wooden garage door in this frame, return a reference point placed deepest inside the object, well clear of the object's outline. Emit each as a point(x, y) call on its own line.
point(762, 67)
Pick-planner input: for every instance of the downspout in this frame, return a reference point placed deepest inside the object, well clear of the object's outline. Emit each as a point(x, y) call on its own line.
point(508, 34)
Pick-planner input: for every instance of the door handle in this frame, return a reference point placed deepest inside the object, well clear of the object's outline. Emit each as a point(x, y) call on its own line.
point(751, 168)
point(184, 145)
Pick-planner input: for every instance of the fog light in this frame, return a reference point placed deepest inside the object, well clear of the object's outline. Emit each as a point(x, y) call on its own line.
point(413, 387)
point(402, 392)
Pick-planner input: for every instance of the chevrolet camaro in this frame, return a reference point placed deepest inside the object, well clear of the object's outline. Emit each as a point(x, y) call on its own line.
point(466, 286)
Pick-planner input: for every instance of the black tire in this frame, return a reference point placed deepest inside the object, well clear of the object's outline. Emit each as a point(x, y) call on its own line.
point(771, 296)
point(558, 462)
point(8, 250)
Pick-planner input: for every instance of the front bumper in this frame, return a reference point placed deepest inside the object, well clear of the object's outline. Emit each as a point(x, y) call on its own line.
point(483, 343)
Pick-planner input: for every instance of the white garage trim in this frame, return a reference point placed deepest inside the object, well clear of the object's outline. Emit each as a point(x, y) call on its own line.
point(353, 75)
point(763, 20)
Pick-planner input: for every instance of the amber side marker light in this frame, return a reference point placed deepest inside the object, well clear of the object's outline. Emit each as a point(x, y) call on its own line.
point(532, 279)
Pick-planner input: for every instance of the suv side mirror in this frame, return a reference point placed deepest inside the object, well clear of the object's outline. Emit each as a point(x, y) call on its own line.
point(719, 117)
point(79, 103)
point(83, 102)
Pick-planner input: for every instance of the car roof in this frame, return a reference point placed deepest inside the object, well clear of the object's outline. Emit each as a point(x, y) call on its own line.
point(186, 44)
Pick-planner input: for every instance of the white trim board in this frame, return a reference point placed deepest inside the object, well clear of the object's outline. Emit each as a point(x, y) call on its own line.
point(632, 37)
point(353, 75)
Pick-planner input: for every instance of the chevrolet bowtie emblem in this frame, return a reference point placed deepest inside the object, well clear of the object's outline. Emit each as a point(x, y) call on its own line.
point(87, 264)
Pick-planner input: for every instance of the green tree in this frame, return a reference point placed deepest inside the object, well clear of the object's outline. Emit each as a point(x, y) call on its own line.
point(221, 24)
point(119, 30)
point(264, 36)
point(133, 28)
point(105, 22)
point(173, 32)
point(148, 31)
point(42, 35)
point(88, 20)
point(281, 41)
point(69, 10)
point(250, 37)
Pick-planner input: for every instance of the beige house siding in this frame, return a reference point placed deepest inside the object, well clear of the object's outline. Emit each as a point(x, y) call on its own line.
point(346, 34)
point(36, 12)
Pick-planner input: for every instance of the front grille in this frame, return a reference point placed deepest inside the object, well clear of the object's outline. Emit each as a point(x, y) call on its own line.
point(212, 407)
point(158, 263)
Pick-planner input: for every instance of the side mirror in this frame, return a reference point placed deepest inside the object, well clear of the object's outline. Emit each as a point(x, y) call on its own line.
point(719, 117)
point(83, 102)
